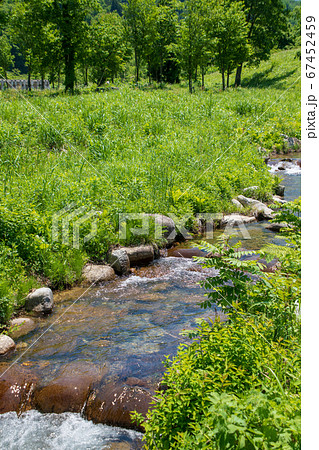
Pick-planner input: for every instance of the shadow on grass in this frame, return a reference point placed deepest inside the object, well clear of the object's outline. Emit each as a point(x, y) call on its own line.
point(264, 79)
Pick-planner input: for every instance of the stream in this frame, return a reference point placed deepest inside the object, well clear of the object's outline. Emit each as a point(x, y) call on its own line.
point(116, 335)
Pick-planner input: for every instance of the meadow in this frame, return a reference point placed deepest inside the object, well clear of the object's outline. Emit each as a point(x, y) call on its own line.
point(132, 149)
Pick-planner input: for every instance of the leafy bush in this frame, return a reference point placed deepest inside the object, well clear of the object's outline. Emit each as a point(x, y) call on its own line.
point(237, 385)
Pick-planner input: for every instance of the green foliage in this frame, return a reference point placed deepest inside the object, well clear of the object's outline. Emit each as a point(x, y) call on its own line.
point(237, 384)
point(6, 58)
point(252, 380)
point(107, 47)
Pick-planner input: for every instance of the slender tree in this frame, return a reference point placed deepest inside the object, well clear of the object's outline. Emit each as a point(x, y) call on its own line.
point(266, 21)
point(108, 47)
point(229, 42)
point(70, 18)
point(140, 22)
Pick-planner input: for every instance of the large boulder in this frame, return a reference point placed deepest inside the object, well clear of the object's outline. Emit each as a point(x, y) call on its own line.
point(141, 255)
point(111, 403)
point(40, 301)
point(120, 261)
point(68, 391)
point(21, 326)
point(276, 226)
point(166, 226)
point(93, 273)
point(260, 210)
point(280, 190)
point(237, 219)
point(7, 344)
point(16, 388)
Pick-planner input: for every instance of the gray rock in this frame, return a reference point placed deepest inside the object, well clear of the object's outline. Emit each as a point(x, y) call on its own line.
point(120, 262)
point(21, 326)
point(167, 225)
point(291, 142)
point(40, 301)
point(278, 199)
point(6, 344)
point(260, 210)
point(143, 254)
point(280, 190)
point(275, 226)
point(251, 190)
point(237, 204)
point(93, 273)
point(235, 219)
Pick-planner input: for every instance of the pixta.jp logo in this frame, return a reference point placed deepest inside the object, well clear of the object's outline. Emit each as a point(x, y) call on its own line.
point(69, 220)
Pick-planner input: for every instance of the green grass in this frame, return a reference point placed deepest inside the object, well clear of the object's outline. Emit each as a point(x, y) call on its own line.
point(132, 150)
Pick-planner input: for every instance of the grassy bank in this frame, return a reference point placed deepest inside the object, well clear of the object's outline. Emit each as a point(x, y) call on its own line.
point(130, 150)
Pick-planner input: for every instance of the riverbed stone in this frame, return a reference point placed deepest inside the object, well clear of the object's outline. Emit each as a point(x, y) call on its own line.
point(140, 255)
point(68, 391)
point(236, 203)
point(111, 403)
point(186, 252)
point(40, 301)
point(235, 219)
point(120, 261)
point(278, 199)
point(21, 326)
point(260, 210)
point(276, 226)
point(291, 142)
point(166, 225)
point(16, 388)
point(93, 273)
point(7, 344)
point(280, 190)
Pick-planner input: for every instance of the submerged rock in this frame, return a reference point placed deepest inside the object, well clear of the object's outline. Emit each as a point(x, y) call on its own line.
point(40, 301)
point(119, 261)
point(187, 252)
point(7, 344)
point(93, 273)
point(21, 326)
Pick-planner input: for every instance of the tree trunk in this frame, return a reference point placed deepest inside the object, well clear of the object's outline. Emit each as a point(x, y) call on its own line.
point(29, 79)
point(228, 79)
point(137, 67)
point(223, 78)
point(69, 61)
point(203, 79)
point(190, 83)
point(42, 81)
point(85, 76)
point(238, 76)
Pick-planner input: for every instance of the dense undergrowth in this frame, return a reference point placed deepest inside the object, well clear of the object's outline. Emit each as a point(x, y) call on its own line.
point(136, 149)
point(237, 385)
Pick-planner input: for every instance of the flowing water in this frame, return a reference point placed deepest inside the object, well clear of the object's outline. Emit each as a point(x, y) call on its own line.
point(122, 329)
